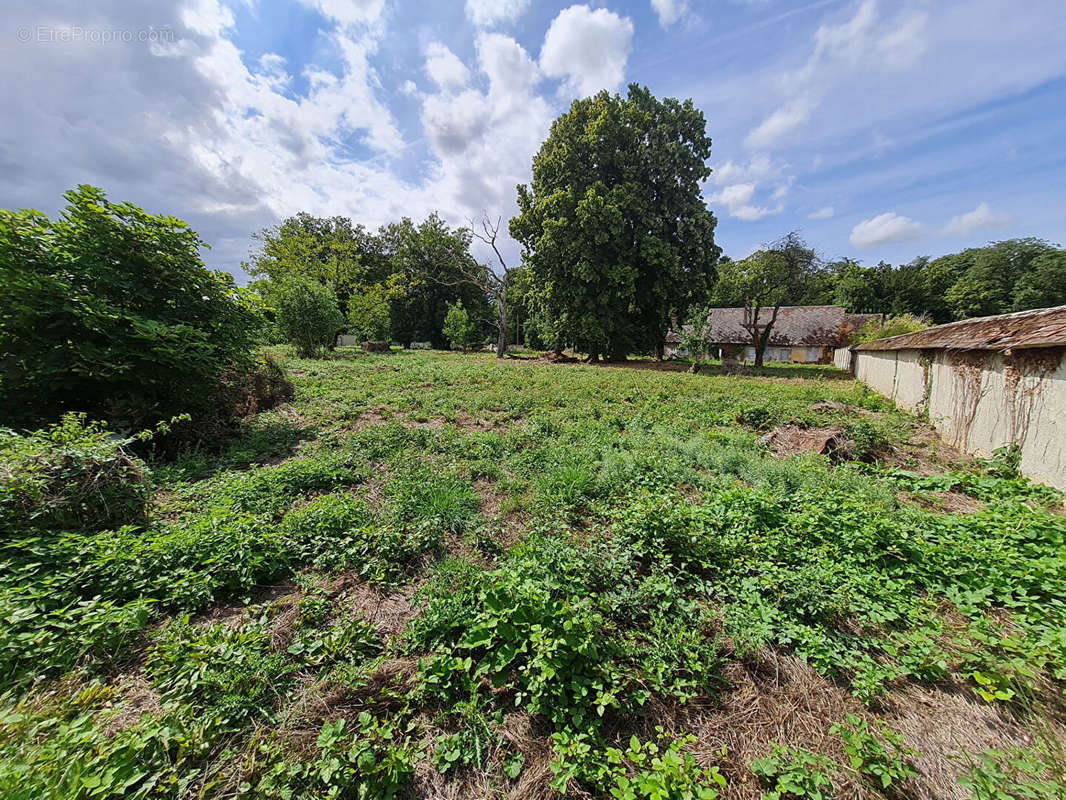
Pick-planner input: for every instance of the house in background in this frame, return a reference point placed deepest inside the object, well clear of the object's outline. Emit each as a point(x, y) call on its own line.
point(801, 334)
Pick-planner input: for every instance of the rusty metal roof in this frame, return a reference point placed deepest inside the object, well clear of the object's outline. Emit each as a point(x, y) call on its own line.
point(796, 326)
point(1041, 327)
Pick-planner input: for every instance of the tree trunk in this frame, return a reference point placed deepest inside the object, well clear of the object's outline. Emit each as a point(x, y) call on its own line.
point(764, 337)
point(757, 339)
point(501, 342)
point(619, 353)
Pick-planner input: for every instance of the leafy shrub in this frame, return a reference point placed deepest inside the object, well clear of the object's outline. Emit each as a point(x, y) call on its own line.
point(794, 774)
point(222, 672)
point(1012, 775)
point(865, 439)
point(67, 752)
point(375, 760)
point(470, 745)
point(459, 329)
point(551, 650)
point(308, 315)
point(74, 474)
point(45, 635)
point(660, 770)
point(877, 758)
point(110, 310)
point(894, 325)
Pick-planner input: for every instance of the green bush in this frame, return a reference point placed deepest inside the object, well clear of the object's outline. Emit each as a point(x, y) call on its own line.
point(110, 310)
point(895, 325)
point(223, 672)
point(375, 759)
point(794, 774)
point(308, 315)
point(459, 329)
point(660, 770)
point(72, 475)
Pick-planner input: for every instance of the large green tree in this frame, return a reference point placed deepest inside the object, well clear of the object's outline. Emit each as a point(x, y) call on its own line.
point(765, 281)
point(334, 252)
point(110, 310)
point(615, 229)
point(990, 276)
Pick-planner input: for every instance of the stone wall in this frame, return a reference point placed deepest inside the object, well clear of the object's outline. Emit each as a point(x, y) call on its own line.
point(981, 400)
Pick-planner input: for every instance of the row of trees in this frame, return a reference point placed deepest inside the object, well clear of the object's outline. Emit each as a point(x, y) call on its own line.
point(395, 283)
point(1012, 275)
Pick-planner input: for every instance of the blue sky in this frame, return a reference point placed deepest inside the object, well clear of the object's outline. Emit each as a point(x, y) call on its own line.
point(883, 129)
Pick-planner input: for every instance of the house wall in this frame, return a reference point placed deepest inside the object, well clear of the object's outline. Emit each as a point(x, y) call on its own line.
point(347, 340)
point(981, 400)
point(796, 355)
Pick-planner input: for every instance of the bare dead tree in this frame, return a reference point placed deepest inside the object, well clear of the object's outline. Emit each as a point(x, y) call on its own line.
point(494, 283)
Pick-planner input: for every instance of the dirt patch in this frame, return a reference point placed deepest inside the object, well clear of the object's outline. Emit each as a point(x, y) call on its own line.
point(776, 699)
point(506, 527)
point(464, 420)
point(134, 696)
point(946, 725)
point(233, 613)
point(943, 502)
point(833, 405)
point(372, 417)
point(389, 612)
point(790, 440)
point(925, 453)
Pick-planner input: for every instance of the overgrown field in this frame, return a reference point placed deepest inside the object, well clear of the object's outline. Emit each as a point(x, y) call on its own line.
point(438, 575)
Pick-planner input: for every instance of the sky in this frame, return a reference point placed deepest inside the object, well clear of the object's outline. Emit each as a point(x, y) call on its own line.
point(881, 129)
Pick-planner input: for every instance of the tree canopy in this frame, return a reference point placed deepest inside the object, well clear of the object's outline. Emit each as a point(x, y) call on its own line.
point(615, 229)
point(1012, 275)
point(395, 283)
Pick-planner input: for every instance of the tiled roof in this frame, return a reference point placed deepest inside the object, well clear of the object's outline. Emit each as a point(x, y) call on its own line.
point(1041, 327)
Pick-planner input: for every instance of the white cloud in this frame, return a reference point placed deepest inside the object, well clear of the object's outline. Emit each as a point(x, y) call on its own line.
point(981, 218)
point(848, 53)
point(490, 13)
point(738, 200)
point(409, 87)
point(887, 228)
point(822, 213)
point(506, 63)
point(588, 48)
point(485, 140)
point(784, 120)
point(759, 168)
point(444, 67)
point(348, 12)
point(669, 11)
